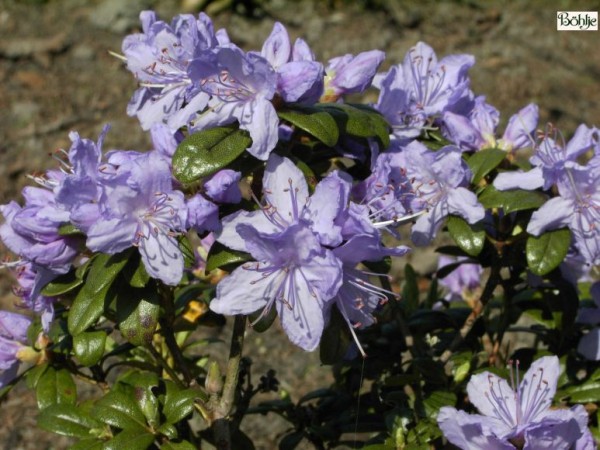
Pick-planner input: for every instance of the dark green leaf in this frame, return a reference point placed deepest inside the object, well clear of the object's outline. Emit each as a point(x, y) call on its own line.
point(90, 301)
point(336, 339)
point(67, 420)
point(484, 161)
point(183, 445)
point(169, 431)
point(135, 272)
point(360, 121)
point(511, 201)
point(133, 439)
point(89, 347)
point(221, 256)
point(206, 152)
point(430, 370)
point(410, 291)
point(291, 441)
point(189, 259)
point(68, 229)
point(178, 404)
point(120, 409)
point(426, 321)
point(438, 399)
point(33, 375)
point(62, 285)
point(88, 444)
point(587, 393)
point(265, 321)
point(137, 314)
point(55, 386)
point(546, 252)
point(314, 121)
point(470, 238)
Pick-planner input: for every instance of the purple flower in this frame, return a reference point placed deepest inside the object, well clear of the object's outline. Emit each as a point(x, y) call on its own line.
point(293, 271)
point(463, 281)
point(139, 207)
point(438, 180)
point(223, 186)
point(160, 58)
point(577, 207)
point(549, 159)
point(517, 415)
point(350, 74)
point(478, 130)
point(589, 344)
point(416, 92)
point(299, 77)
point(13, 338)
point(31, 279)
point(241, 86)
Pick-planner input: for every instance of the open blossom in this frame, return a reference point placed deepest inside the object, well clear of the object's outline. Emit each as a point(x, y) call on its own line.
point(160, 58)
point(416, 92)
point(241, 86)
point(293, 271)
point(550, 157)
point(463, 281)
point(577, 207)
point(477, 130)
point(515, 415)
point(140, 207)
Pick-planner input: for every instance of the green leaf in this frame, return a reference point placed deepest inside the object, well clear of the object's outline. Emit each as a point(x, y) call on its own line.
point(189, 259)
point(134, 439)
point(315, 121)
point(135, 272)
point(55, 387)
point(89, 347)
point(179, 403)
point(88, 444)
point(34, 375)
point(90, 301)
point(137, 314)
point(546, 252)
point(484, 161)
point(410, 290)
point(587, 393)
point(206, 152)
point(67, 420)
point(335, 340)
point(183, 445)
point(426, 321)
point(220, 256)
point(68, 229)
point(360, 121)
point(62, 285)
point(265, 321)
point(437, 400)
point(120, 409)
point(512, 200)
point(470, 238)
point(291, 441)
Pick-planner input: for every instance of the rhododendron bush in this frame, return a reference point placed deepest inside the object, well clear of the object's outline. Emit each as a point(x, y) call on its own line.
point(268, 196)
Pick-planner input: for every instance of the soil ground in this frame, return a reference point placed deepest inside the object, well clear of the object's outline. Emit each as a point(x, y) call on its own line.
point(56, 75)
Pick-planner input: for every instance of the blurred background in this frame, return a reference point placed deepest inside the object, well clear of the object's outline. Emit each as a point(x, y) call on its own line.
point(56, 75)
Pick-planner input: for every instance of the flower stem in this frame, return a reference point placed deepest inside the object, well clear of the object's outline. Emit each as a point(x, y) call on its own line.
point(221, 425)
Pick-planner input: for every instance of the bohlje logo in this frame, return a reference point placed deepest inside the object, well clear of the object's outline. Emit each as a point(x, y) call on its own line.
point(577, 20)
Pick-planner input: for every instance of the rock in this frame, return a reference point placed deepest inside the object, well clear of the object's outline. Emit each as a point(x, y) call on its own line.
point(117, 15)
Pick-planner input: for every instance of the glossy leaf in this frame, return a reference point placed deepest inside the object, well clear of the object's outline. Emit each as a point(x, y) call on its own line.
point(62, 285)
point(67, 420)
point(221, 257)
point(183, 445)
point(315, 121)
point(484, 161)
point(470, 238)
point(178, 404)
point(89, 347)
point(438, 399)
point(90, 301)
point(68, 229)
point(335, 339)
point(511, 201)
point(135, 272)
point(206, 152)
point(120, 409)
point(55, 387)
point(359, 121)
point(137, 314)
point(546, 252)
point(133, 439)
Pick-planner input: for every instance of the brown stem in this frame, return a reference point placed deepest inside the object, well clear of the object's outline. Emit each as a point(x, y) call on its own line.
point(221, 424)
